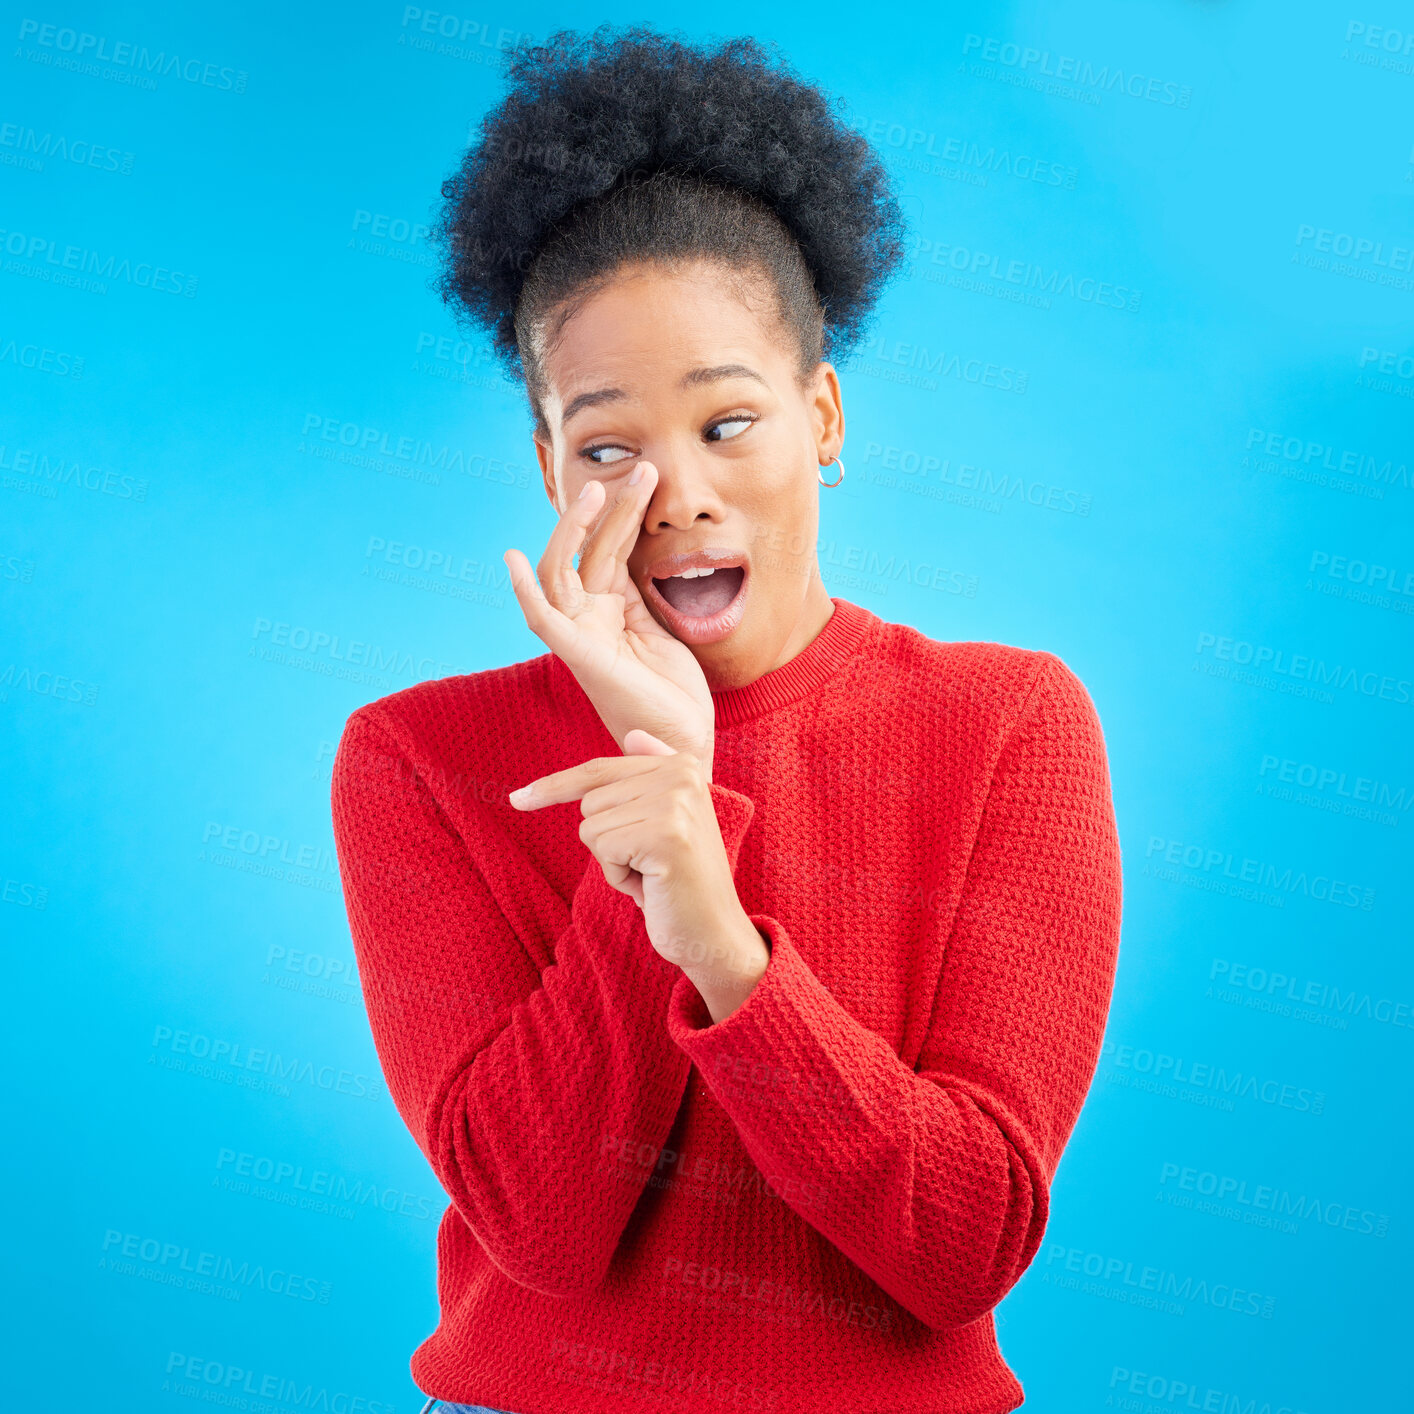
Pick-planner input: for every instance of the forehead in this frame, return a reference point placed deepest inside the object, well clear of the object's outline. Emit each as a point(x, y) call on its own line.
point(650, 322)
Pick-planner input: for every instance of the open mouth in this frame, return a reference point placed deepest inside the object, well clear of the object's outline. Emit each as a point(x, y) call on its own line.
point(701, 605)
point(698, 594)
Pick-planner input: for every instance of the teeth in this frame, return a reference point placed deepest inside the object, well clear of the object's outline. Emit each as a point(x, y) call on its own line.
point(692, 574)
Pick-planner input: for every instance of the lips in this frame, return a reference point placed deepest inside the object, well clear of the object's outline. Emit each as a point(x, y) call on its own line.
point(700, 595)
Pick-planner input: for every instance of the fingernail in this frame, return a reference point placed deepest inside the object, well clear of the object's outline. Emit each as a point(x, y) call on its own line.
point(637, 475)
point(521, 796)
point(584, 490)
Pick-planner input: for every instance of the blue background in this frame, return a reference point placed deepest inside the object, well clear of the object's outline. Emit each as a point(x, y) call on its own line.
point(211, 490)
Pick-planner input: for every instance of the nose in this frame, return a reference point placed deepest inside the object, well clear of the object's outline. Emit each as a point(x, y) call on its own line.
point(688, 491)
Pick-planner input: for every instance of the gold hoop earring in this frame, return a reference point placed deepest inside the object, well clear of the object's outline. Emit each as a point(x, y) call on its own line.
point(837, 462)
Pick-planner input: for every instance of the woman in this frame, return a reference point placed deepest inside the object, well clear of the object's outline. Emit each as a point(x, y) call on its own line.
point(740, 964)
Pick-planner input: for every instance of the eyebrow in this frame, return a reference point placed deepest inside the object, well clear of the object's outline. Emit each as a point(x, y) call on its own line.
point(692, 378)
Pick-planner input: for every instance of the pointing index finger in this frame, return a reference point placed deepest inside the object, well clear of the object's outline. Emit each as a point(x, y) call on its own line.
point(577, 781)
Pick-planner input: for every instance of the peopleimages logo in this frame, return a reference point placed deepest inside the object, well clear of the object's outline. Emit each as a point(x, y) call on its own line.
point(963, 155)
point(1331, 779)
point(174, 1260)
point(98, 48)
point(234, 1055)
point(1063, 67)
point(1356, 247)
point(1342, 462)
point(1261, 873)
point(1281, 992)
point(423, 460)
point(1387, 361)
point(1270, 1198)
point(219, 1382)
point(962, 263)
point(1165, 1288)
point(30, 147)
point(1264, 658)
point(50, 472)
point(318, 645)
point(44, 257)
point(1189, 1394)
point(341, 1192)
point(41, 359)
point(1206, 1075)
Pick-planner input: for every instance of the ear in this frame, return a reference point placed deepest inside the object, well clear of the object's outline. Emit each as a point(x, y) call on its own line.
point(827, 410)
point(545, 455)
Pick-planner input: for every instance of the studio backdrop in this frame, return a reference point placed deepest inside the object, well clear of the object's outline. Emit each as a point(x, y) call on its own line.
point(1141, 397)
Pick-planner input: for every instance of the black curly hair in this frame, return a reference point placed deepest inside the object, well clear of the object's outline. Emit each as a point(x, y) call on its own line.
point(612, 147)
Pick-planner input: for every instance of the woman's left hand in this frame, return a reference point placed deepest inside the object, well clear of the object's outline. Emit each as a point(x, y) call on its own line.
point(650, 822)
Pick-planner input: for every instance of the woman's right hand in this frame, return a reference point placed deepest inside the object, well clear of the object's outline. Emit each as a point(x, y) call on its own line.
point(595, 621)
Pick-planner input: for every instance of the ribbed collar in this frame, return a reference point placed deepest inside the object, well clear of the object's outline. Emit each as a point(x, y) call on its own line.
point(810, 669)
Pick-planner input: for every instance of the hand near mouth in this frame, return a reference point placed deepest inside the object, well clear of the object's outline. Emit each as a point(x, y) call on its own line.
point(595, 621)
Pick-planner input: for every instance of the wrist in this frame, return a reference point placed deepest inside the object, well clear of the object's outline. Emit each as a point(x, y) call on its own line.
point(703, 759)
point(729, 976)
point(703, 755)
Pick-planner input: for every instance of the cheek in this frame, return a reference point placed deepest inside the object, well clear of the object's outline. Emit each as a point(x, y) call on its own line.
point(778, 498)
point(795, 506)
point(785, 535)
point(777, 489)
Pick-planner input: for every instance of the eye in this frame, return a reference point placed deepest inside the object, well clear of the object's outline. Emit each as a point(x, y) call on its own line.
point(741, 421)
point(591, 453)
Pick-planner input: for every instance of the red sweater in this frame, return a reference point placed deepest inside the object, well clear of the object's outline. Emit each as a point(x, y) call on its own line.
point(816, 1203)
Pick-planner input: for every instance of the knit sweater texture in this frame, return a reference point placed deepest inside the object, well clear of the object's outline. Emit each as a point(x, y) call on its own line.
point(816, 1203)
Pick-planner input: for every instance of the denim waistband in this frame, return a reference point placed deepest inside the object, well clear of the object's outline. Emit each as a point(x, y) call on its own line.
point(441, 1406)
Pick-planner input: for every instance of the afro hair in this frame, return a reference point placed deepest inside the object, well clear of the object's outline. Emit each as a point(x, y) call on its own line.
point(591, 119)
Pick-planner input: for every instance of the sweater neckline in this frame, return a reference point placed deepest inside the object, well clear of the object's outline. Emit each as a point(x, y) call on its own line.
point(810, 669)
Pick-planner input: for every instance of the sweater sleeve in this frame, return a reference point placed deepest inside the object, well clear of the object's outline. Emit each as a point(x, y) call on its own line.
point(935, 1181)
point(520, 1082)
